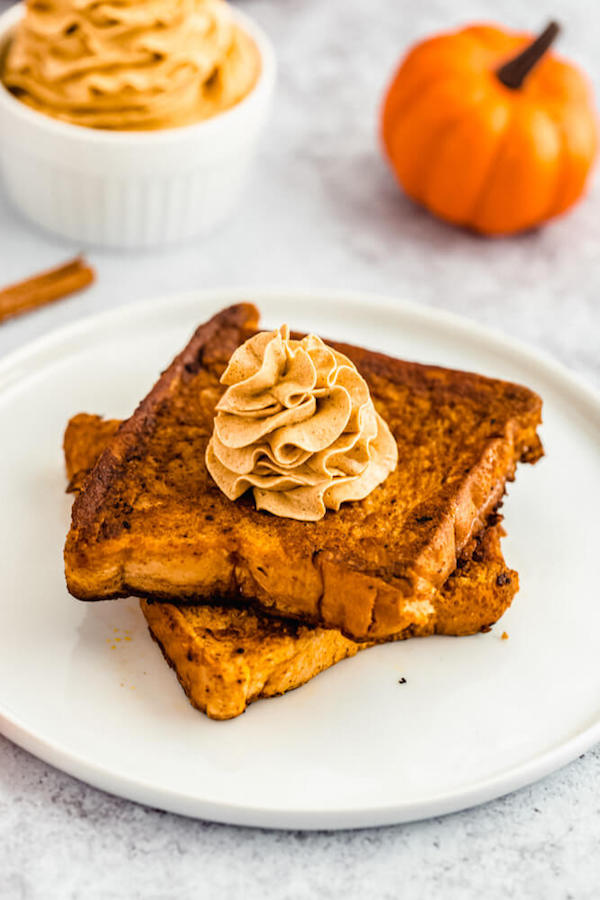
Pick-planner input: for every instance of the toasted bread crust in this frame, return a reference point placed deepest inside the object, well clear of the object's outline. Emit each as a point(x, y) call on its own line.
point(85, 438)
point(226, 657)
point(151, 521)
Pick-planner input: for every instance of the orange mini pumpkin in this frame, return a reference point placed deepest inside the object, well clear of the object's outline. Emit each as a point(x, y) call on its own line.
point(488, 130)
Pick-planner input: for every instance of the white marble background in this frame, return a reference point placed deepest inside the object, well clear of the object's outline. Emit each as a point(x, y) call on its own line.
point(323, 211)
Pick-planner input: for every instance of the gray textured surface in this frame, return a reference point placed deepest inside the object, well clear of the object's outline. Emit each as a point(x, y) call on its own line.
point(323, 211)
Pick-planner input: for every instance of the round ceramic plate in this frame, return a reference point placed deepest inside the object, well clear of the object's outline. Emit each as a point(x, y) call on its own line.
point(83, 686)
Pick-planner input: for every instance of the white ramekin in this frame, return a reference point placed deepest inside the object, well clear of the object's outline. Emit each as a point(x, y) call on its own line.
point(127, 188)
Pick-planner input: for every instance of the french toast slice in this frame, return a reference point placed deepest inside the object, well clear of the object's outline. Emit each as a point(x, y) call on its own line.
point(227, 657)
point(151, 522)
point(85, 438)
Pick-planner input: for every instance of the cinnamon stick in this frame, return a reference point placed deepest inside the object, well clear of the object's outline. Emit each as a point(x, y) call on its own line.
point(40, 289)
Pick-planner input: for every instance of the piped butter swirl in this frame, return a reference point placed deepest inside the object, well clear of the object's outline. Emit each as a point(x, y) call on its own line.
point(297, 425)
point(130, 64)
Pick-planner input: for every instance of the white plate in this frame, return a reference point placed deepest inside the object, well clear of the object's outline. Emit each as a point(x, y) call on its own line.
point(83, 687)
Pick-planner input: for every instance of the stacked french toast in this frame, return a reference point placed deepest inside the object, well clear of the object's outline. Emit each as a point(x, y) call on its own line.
point(247, 604)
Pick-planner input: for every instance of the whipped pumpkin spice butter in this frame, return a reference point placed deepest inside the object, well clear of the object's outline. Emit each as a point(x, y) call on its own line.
point(297, 425)
point(130, 64)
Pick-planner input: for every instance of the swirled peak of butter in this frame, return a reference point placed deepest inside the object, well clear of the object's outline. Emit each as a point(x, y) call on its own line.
point(130, 64)
point(298, 427)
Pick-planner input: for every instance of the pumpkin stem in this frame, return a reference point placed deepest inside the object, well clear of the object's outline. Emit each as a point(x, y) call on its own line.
point(513, 73)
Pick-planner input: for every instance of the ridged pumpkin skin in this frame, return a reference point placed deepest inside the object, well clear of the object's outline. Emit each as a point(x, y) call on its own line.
point(477, 153)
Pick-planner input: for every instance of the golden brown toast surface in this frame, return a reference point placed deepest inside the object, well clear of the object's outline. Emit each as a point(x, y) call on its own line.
point(227, 657)
point(85, 438)
point(150, 520)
